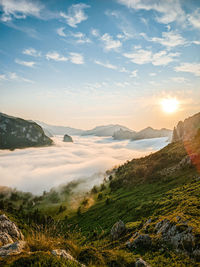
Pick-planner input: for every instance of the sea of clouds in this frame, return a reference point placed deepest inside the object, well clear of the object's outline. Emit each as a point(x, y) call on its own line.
point(87, 158)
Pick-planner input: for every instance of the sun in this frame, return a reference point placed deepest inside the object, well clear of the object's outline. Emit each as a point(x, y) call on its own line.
point(170, 105)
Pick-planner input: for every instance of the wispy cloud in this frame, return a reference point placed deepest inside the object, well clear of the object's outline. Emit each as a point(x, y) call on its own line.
point(19, 9)
point(134, 74)
point(76, 58)
point(194, 19)
point(193, 68)
point(110, 43)
point(13, 76)
point(2, 77)
point(80, 38)
point(75, 14)
point(169, 11)
point(169, 39)
point(55, 56)
point(60, 31)
point(179, 79)
point(105, 65)
point(29, 64)
point(141, 56)
point(31, 52)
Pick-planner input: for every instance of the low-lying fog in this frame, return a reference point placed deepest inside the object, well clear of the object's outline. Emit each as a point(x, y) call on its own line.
point(39, 169)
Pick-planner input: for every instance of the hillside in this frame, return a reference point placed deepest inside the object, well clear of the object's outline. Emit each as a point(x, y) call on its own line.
point(19, 133)
point(107, 130)
point(155, 197)
point(146, 133)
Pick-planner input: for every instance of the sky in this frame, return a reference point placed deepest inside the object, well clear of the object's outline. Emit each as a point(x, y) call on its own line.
point(97, 62)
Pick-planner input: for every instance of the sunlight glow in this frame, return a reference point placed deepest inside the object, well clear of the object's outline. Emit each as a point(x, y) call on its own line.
point(170, 105)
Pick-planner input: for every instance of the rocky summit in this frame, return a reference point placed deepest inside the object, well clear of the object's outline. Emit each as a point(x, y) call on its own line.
point(19, 133)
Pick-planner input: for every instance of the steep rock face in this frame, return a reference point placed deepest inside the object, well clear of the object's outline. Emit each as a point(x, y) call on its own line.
point(19, 133)
point(67, 138)
point(187, 129)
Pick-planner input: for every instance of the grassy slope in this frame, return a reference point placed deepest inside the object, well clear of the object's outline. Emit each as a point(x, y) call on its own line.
point(139, 190)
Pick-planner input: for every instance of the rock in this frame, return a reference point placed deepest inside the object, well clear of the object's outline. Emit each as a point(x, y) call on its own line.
point(141, 263)
point(5, 239)
point(19, 133)
point(117, 230)
point(180, 236)
point(12, 249)
point(142, 241)
point(10, 228)
point(63, 253)
point(67, 138)
point(188, 129)
point(196, 254)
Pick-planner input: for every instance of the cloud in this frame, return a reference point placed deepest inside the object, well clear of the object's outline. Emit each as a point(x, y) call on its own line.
point(29, 64)
point(95, 32)
point(141, 56)
point(75, 14)
point(134, 74)
point(55, 56)
point(193, 68)
point(60, 31)
point(106, 65)
point(179, 79)
point(12, 76)
point(76, 58)
point(31, 52)
point(152, 74)
point(110, 43)
point(81, 38)
point(87, 158)
point(19, 9)
point(194, 19)
point(2, 77)
point(169, 39)
point(169, 10)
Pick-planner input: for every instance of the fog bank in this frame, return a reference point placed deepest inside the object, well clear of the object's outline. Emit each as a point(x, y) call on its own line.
point(39, 169)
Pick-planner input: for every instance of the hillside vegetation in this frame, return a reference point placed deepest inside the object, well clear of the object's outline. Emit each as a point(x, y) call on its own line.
point(157, 198)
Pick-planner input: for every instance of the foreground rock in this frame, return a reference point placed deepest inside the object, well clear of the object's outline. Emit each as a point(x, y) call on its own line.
point(9, 232)
point(63, 253)
point(19, 133)
point(140, 242)
point(12, 249)
point(141, 263)
point(180, 236)
point(117, 230)
point(67, 138)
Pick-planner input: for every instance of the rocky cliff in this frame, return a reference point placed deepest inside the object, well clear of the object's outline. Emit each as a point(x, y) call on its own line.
point(187, 129)
point(19, 133)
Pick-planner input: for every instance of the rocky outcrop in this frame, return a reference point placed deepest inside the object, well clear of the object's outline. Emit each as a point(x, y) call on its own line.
point(117, 230)
point(63, 253)
point(67, 138)
point(187, 129)
point(19, 133)
point(11, 238)
point(8, 230)
point(140, 242)
point(141, 263)
point(12, 249)
point(179, 236)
